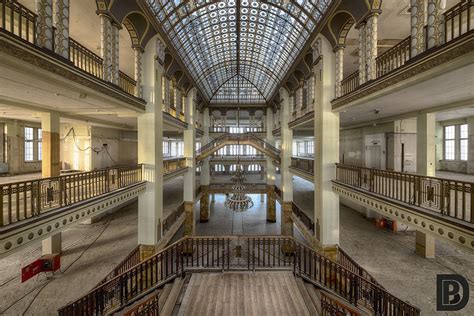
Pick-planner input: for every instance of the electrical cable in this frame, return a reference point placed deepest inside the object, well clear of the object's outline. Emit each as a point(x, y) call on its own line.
point(41, 287)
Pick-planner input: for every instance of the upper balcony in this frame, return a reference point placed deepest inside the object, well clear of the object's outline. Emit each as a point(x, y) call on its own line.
point(19, 48)
point(412, 77)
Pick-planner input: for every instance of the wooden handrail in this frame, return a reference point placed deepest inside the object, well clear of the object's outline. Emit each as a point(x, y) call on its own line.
point(450, 198)
point(18, 20)
point(236, 252)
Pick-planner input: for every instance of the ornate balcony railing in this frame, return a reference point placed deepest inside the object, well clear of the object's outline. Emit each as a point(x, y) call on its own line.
point(172, 218)
point(449, 198)
point(305, 219)
point(171, 110)
point(131, 260)
point(84, 59)
point(171, 165)
point(18, 20)
point(243, 130)
point(303, 164)
point(27, 199)
point(457, 22)
point(237, 253)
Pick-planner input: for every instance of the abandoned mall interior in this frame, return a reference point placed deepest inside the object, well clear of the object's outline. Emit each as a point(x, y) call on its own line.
point(237, 157)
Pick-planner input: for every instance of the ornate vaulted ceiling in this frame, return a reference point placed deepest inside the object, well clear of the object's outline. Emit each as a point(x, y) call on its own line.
point(238, 51)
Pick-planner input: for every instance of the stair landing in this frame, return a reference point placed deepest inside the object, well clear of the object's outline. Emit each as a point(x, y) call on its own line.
point(243, 293)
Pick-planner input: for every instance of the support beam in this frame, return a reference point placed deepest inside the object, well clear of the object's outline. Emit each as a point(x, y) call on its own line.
point(204, 213)
point(50, 162)
point(150, 152)
point(425, 245)
point(189, 181)
point(286, 175)
point(271, 200)
point(426, 144)
point(52, 244)
point(326, 142)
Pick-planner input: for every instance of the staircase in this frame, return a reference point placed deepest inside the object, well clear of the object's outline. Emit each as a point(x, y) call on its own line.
point(242, 139)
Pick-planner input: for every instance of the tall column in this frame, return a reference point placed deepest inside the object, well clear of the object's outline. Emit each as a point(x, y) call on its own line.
point(61, 23)
point(106, 46)
point(271, 199)
point(362, 51)
point(115, 53)
point(150, 152)
point(418, 12)
point(326, 151)
point(189, 182)
point(436, 22)
point(50, 167)
point(339, 70)
point(425, 165)
point(426, 144)
point(204, 213)
point(371, 46)
point(50, 163)
point(138, 71)
point(286, 176)
point(44, 23)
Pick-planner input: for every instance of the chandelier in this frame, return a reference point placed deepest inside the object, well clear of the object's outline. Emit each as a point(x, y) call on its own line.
point(238, 201)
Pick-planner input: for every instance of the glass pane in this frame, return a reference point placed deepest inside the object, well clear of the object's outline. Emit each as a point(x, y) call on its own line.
point(449, 132)
point(449, 151)
point(464, 149)
point(464, 131)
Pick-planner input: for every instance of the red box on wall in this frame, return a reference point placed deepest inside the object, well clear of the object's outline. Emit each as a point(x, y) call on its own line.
point(46, 263)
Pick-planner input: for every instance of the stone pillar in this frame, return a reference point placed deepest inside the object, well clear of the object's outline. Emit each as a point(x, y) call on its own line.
point(44, 23)
point(326, 151)
point(418, 13)
point(204, 213)
point(436, 22)
point(138, 71)
point(115, 54)
point(362, 51)
point(106, 46)
point(50, 164)
point(425, 165)
point(371, 46)
point(286, 176)
point(271, 201)
point(339, 70)
point(61, 23)
point(189, 181)
point(425, 245)
point(150, 151)
point(51, 245)
point(426, 144)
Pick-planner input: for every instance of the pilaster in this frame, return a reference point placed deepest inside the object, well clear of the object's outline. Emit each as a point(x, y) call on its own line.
point(138, 72)
point(204, 204)
point(106, 46)
point(115, 54)
point(61, 23)
point(418, 12)
point(362, 51)
point(44, 23)
point(371, 46)
point(339, 70)
point(426, 144)
point(436, 22)
point(50, 162)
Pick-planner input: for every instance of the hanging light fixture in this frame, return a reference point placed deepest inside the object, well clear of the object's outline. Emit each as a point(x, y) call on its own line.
point(238, 201)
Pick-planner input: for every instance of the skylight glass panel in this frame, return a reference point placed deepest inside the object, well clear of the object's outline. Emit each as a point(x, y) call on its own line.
point(248, 42)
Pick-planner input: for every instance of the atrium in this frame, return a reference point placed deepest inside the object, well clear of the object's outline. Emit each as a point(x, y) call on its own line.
point(237, 157)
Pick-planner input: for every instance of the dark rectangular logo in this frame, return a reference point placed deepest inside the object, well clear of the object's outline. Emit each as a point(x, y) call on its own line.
point(452, 292)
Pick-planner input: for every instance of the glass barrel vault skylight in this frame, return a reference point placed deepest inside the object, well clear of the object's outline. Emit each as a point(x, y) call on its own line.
point(238, 51)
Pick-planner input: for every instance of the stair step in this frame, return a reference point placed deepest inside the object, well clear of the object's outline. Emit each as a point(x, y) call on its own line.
point(315, 296)
point(306, 297)
point(164, 295)
point(170, 302)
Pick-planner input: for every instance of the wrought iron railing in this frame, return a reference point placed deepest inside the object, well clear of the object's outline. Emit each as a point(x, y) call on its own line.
point(26, 199)
point(127, 83)
point(333, 307)
point(236, 253)
point(171, 165)
point(18, 20)
point(85, 59)
point(171, 110)
point(305, 219)
point(457, 22)
point(21, 22)
point(172, 218)
point(131, 260)
point(303, 164)
point(227, 129)
point(450, 198)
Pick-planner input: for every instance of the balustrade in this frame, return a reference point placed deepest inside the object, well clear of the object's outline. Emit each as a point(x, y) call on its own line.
point(171, 165)
point(303, 164)
point(450, 198)
point(236, 253)
point(26, 199)
point(18, 20)
point(457, 21)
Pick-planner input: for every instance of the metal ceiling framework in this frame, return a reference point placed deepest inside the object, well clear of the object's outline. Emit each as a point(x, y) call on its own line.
point(238, 50)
